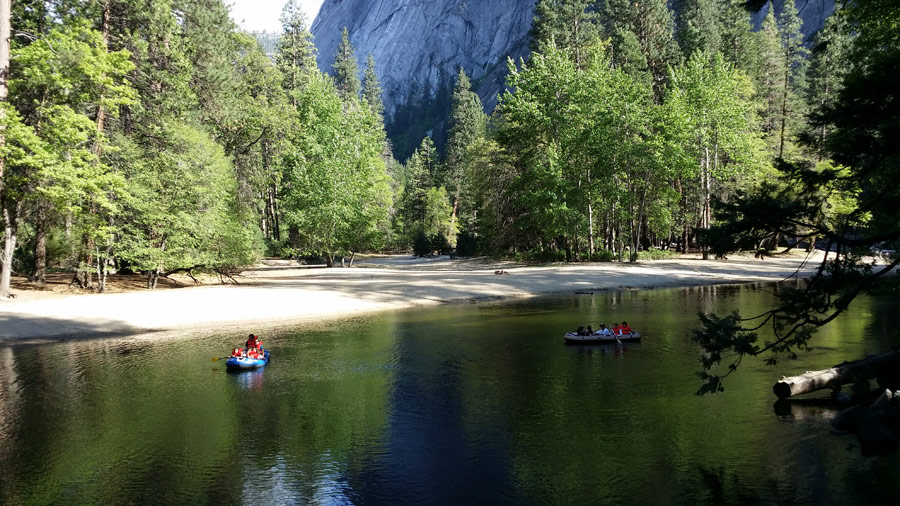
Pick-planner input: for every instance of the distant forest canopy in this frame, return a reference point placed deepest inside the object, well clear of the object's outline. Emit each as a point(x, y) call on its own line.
point(155, 137)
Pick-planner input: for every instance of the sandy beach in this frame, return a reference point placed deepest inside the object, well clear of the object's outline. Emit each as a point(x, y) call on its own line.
point(279, 293)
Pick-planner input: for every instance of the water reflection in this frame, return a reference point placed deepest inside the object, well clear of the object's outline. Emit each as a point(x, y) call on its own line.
point(461, 404)
point(249, 380)
point(617, 350)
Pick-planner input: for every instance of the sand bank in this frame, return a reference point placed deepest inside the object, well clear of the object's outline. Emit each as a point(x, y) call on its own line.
point(285, 294)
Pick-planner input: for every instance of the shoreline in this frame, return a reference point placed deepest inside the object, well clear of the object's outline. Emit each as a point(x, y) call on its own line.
point(277, 296)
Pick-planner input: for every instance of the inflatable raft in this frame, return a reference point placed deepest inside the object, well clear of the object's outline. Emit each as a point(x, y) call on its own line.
point(574, 338)
point(237, 364)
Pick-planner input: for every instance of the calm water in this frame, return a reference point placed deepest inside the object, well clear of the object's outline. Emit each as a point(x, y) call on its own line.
point(463, 404)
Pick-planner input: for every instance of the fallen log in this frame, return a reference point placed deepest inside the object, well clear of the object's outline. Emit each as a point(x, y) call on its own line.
point(841, 374)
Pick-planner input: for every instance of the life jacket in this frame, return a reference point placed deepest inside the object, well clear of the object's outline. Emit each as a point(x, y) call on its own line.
point(617, 330)
point(626, 329)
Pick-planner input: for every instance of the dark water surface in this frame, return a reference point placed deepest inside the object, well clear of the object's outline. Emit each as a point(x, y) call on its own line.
point(461, 404)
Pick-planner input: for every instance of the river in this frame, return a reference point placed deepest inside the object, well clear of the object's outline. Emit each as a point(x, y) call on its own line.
point(477, 403)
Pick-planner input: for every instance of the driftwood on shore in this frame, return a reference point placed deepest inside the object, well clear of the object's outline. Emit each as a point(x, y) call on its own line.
point(886, 364)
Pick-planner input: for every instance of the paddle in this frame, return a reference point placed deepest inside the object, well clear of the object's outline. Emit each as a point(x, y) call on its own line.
point(220, 358)
point(616, 336)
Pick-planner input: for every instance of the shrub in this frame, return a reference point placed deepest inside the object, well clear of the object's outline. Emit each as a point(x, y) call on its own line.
point(466, 245)
point(655, 254)
point(603, 255)
point(546, 255)
point(421, 245)
point(440, 244)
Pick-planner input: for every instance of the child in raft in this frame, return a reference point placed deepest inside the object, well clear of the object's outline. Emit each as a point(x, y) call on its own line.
point(625, 328)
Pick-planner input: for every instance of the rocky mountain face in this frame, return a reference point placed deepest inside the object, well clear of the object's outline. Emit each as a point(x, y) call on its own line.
point(812, 12)
point(419, 45)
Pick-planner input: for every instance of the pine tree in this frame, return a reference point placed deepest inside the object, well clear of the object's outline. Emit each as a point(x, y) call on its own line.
point(346, 68)
point(736, 34)
point(769, 69)
point(828, 66)
point(467, 125)
point(421, 171)
point(793, 82)
point(698, 26)
point(652, 25)
point(572, 24)
point(296, 56)
point(372, 88)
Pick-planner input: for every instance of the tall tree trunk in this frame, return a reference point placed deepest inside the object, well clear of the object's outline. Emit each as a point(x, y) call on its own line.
point(294, 236)
point(276, 223)
point(10, 229)
point(784, 108)
point(5, 6)
point(39, 273)
point(271, 194)
point(590, 210)
point(454, 217)
point(84, 271)
point(9, 241)
point(705, 213)
point(264, 218)
point(640, 215)
point(679, 187)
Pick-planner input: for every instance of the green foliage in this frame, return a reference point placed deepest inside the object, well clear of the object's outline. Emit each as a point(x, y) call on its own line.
point(851, 204)
point(438, 215)
point(337, 186)
point(656, 254)
point(603, 255)
point(179, 212)
point(544, 255)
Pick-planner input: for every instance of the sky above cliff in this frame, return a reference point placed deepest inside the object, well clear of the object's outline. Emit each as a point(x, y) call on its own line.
point(260, 15)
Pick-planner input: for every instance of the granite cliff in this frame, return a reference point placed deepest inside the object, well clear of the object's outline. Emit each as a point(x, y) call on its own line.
point(417, 43)
point(812, 12)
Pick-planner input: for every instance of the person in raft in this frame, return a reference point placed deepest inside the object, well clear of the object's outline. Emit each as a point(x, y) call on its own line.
point(237, 352)
point(625, 328)
point(589, 331)
point(603, 331)
point(616, 329)
point(253, 344)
